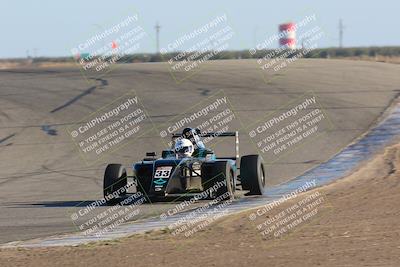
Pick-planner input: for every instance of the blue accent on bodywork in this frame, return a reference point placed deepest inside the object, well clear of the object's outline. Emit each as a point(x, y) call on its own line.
point(160, 181)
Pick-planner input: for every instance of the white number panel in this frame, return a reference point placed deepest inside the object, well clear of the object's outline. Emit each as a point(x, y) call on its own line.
point(163, 172)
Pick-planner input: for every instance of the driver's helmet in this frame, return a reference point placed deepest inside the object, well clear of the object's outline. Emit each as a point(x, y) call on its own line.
point(184, 148)
point(193, 135)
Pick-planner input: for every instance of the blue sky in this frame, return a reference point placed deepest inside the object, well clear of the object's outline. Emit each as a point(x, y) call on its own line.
point(53, 27)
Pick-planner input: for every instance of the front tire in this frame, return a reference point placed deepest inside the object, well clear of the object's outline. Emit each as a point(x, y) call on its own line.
point(219, 175)
point(114, 184)
point(252, 174)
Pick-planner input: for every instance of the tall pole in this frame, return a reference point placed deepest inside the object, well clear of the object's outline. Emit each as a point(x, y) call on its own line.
point(158, 37)
point(341, 29)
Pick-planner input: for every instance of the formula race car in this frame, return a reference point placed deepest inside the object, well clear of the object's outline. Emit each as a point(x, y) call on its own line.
point(187, 168)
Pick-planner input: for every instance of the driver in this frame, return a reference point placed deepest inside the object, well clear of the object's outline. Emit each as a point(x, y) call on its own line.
point(184, 148)
point(193, 134)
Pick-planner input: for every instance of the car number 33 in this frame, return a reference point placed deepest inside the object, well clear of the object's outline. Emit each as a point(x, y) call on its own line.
point(163, 172)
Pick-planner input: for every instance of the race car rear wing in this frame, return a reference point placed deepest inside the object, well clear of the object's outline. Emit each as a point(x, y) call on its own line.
point(211, 134)
point(217, 134)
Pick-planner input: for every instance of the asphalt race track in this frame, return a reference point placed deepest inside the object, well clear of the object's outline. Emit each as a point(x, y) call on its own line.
point(42, 176)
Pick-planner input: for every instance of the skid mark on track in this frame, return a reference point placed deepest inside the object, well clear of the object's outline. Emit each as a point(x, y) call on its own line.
point(48, 130)
point(7, 137)
point(204, 91)
point(88, 91)
point(74, 99)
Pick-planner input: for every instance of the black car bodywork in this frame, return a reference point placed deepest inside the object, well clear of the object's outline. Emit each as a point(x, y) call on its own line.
point(158, 178)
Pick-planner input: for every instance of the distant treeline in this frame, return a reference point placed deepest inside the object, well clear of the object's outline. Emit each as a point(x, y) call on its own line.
point(245, 54)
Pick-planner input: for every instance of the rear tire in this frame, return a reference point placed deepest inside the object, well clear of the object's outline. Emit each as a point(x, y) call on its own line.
point(252, 174)
point(115, 180)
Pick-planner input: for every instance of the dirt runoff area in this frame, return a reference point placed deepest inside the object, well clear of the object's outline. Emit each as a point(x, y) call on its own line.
point(352, 222)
